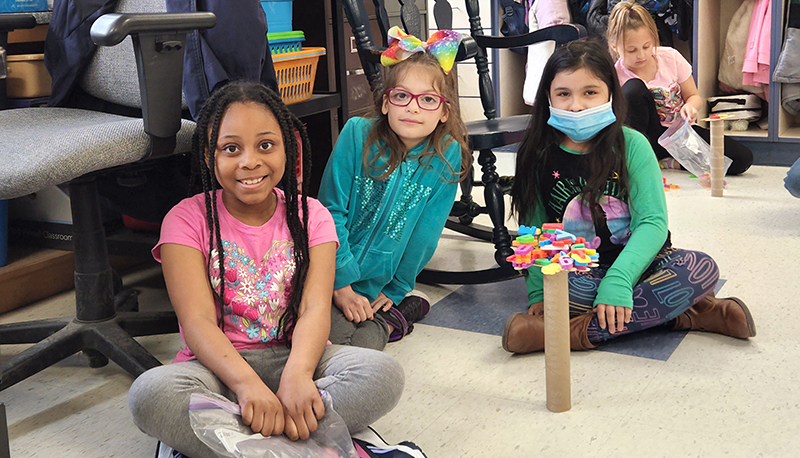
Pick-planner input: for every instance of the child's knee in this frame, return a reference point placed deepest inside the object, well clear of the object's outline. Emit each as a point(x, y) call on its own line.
point(143, 397)
point(635, 88)
point(394, 378)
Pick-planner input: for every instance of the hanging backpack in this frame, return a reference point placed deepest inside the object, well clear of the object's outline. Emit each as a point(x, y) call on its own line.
point(515, 20)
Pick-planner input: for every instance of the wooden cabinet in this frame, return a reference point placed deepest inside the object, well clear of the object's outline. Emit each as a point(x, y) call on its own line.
point(777, 144)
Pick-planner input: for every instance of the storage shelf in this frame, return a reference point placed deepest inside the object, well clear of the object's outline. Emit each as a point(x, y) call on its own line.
point(318, 103)
point(753, 132)
point(792, 133)
point(711, 20)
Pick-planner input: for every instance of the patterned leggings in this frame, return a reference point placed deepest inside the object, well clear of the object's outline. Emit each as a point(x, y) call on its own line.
point(675, 281)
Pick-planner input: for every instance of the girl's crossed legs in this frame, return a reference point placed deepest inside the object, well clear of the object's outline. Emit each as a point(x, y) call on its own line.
point(675, 281)
point(364, 386)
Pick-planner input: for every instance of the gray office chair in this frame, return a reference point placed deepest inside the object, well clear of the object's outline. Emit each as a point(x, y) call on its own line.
point(42, 147)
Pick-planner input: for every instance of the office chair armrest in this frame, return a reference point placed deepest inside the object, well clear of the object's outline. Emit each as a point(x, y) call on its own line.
point(13, 21)
point(159, 40)
point(111, 29)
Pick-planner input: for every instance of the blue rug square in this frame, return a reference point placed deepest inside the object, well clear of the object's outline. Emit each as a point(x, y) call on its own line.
point(485, 309)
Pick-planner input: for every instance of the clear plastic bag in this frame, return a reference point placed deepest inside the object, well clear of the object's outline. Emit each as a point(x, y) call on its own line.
point(218, 423)
point(688, 148)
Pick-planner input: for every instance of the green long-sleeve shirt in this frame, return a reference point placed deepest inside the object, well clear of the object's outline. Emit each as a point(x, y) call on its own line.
point(636, 221)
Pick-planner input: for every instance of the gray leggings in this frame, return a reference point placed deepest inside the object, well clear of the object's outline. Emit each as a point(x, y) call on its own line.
point(372, 333)
point(364, 386)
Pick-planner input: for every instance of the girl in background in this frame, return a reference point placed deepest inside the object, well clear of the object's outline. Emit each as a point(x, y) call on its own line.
point(658, 85)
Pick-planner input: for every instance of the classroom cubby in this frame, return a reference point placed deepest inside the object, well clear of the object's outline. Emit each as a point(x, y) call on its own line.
point(711, 21)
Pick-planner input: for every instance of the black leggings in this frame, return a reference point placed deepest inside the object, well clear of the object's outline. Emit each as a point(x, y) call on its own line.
point(643, 117)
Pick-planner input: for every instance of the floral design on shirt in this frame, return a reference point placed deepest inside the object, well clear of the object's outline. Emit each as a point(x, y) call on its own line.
point(256, 291)
point(668, 102)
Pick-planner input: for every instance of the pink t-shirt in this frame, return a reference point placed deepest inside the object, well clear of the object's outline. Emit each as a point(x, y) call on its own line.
point(673, 69)
point(259, 265)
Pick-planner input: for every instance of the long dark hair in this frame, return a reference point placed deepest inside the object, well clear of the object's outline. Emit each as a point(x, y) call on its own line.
point(391, 148)
point(204, 143)
point(607, 147)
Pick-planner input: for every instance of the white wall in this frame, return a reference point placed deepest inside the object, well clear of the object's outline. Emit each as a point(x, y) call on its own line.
point(512, 67)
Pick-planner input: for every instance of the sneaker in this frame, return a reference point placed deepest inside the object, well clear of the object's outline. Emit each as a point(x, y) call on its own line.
point(403, 315)
point(165, 451)
point(414, 306)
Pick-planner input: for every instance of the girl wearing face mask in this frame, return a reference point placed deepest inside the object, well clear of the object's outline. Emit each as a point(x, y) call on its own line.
point(579, 166)
point(658, 85)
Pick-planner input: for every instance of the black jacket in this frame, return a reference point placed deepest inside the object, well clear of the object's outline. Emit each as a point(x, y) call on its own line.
point(236, 48)
point(68, 47)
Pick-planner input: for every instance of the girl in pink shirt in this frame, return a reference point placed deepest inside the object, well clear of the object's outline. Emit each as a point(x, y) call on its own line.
point(249, 271)
point(657, 83)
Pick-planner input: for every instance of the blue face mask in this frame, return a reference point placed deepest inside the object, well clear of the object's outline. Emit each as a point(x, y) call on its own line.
point(581, 126)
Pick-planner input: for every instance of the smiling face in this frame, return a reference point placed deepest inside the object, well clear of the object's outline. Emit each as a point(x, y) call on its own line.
point(411, 123)
point(637, 48)
point(250, 161)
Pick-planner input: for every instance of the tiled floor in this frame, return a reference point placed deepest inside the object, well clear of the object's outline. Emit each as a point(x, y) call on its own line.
point(657, 395)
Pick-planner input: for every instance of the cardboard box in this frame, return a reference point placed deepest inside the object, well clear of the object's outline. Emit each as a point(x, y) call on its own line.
point(22, 6)
point(27, 76)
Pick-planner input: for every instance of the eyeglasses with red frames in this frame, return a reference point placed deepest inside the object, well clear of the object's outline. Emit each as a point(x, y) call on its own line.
point(401, 98)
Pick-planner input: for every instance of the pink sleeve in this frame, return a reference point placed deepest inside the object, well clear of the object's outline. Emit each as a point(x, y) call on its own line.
point(182, 226)
point(321, 228)
point(682, 66)
point(622, 74)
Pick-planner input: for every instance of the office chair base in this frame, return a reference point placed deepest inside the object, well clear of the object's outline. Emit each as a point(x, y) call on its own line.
point(59, 338)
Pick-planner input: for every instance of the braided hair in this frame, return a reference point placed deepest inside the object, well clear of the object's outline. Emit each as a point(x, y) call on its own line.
point(204, 143)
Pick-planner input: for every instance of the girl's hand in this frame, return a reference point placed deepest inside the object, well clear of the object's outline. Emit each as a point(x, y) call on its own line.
point(381, 303)
point(355, 307)
point(261, 409)
point(689, 112)
point(302, 406)
point(615, 316)
point(536, 309)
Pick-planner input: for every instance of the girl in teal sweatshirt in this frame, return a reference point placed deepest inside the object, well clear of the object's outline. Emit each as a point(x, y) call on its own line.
point(390, 184)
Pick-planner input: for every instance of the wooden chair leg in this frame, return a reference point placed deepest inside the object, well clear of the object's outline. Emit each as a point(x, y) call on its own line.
point(495, 206)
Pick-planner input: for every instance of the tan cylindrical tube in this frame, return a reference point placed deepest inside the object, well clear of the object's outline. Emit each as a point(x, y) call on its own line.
point(717, 156)
point(556, 342)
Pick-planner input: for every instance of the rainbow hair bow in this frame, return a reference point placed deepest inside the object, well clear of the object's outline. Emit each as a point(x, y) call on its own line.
point(443, 45)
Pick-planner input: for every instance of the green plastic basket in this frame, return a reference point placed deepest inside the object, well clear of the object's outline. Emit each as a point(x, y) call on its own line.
point(283, 42)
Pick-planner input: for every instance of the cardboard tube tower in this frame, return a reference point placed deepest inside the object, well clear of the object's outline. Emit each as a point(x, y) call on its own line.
point(717, 156)
point(556, 341)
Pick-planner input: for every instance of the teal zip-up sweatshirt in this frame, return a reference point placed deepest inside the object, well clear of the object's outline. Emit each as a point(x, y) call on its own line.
point(388, 229)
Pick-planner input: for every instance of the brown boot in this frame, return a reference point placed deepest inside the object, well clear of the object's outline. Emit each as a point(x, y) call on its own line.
point(524, 333)
point(728, 316)
point(578, 332)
